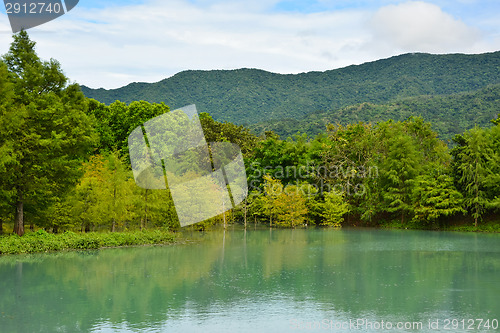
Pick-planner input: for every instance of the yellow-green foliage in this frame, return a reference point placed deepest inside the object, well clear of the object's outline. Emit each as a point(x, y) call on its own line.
point(286, 204)
point(291, 207)
point(334, 208)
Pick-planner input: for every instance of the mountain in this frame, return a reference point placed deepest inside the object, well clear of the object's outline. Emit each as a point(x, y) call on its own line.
point(249, 96)
point(448, 114)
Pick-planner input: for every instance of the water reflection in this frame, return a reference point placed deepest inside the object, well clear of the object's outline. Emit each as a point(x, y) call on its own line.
point(253, 280)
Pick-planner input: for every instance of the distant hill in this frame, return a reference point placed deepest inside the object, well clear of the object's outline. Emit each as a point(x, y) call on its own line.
point(449, 114)
point(249, 96)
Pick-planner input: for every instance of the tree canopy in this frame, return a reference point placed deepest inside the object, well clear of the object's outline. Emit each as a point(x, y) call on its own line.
point(46, 132)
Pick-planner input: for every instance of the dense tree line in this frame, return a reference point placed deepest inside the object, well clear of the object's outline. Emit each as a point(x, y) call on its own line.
point(64, 164)
point(391, 171)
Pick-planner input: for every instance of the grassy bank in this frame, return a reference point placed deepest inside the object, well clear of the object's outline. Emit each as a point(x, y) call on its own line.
point(490, 227)
point(42, 241)
point(487, 227)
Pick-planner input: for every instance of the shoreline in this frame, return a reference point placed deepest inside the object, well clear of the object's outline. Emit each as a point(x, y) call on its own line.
point(43, 242)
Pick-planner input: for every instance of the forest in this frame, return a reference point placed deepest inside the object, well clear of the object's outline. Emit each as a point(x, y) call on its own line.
point(250, 96)
point(449, 114)
point(65, 166)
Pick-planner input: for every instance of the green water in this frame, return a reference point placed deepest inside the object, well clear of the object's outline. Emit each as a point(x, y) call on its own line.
point(261, 281)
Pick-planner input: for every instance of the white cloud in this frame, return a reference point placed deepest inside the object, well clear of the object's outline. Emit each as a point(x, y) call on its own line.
point(424, 27)
point(113, 46)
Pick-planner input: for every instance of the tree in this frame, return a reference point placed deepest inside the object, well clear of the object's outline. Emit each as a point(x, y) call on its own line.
point(272, 190)
point(86, 201)
point(471, 168)
point(106, 197)
point(290, 207)
point(334, 208)
point(348, 164)
point(256, 204)
point(216, 131)
point(399, 167)
point(434, 197)
point(8, 121)
point(49, 133)
point(118, 190)
point(116, 121)
point(286, 204)
point(492, 178)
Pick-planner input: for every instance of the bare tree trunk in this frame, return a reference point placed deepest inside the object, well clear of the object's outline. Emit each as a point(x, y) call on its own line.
point(114, 210)
point(477, 198)
point(85, 224)
point(245, 247)
point(224, 214)
point(245, 213)
point(145, 222)
point(19, 218)
point(1, 226)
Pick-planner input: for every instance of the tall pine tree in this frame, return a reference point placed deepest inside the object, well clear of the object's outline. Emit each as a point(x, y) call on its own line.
point(47, 132)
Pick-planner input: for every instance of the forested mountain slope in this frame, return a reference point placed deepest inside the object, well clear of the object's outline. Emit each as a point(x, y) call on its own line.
point(249, 96)
point(448, 114)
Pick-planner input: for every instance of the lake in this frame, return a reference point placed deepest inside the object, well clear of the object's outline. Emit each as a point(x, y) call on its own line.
point(304, 280)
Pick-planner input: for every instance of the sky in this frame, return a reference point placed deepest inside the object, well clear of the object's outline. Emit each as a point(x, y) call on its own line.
point(111, 43)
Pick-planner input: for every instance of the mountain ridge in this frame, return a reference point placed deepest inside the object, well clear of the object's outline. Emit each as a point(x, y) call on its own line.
point(248, 96)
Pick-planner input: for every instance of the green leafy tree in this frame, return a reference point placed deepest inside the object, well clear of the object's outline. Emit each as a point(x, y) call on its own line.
point(470, 168)
point(492, 178)
point(399, 167)
point(8, 126)
point(348, 165)
point(285, 205)
point(256, 205)
point(51, 134)
point(61, 215)
point(86, 202)
point(118, 190)
point(268, 158)
point(216, 131)
point(334, 208)
point(116, 121)
point(434, 197)
point(290, 207)
point(272, 190)
point(155, 208)
point(107, 197)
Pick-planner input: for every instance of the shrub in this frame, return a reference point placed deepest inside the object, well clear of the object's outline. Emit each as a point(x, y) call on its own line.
point(42, 241)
